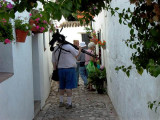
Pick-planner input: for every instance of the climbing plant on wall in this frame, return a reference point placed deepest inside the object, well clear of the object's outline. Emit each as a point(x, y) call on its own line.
point(143, 22)
point(144, 26)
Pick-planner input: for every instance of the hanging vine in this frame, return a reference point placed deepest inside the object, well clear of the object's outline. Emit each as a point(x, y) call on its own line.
point(143, 22)
point(144, 26)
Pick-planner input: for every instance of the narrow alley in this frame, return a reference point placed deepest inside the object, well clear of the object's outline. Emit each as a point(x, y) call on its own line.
point(87, 106)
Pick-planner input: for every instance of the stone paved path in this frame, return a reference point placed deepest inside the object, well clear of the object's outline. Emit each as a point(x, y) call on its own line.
point(88, 106)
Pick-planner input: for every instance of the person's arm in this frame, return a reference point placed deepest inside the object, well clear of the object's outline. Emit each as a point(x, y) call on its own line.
point(53, 61)
point(92, 58)
point(79, 51)
point(54, 65)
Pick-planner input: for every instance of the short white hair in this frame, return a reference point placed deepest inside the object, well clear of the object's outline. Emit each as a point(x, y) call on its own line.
point(91, 44)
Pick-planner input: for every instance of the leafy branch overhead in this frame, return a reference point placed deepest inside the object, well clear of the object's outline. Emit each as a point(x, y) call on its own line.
point(54, 10)
point(144, 35)
point(143, 22)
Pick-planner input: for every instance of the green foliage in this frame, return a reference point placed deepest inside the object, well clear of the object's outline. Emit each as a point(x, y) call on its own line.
point(22, 5)
point(6, 10)
point(88, 30)
point(97, 76)
point(153, 105)
point(6, 31)
point(124, 69)
point(21, 24)
point(144, 26)
point(55, 10)
point(144, 37)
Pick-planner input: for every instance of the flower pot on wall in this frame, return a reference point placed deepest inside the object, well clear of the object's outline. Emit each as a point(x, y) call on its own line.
point(33, 24)
point(21, 35)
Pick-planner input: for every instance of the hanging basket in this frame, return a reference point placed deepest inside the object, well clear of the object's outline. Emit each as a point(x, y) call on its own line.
point(33, 24)
point(21, 35)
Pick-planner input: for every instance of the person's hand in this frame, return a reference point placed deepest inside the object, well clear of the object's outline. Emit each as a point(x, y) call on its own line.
point(80, 49)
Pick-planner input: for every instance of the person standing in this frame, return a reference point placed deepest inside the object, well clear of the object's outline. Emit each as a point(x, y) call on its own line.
point(66, 69)
point(82, 68)
point(76, 43)
point(91, 48)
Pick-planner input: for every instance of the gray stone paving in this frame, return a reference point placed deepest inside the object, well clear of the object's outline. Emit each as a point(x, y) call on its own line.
point(88, 106)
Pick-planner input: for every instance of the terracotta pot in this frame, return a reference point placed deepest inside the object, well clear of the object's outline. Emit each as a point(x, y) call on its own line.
point(21, 35)
point(33, 24)
point(104, 47)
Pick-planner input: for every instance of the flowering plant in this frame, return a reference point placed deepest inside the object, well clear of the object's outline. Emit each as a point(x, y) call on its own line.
point(6, 9)
point(6, 31)
point(102, 43)
point(93, 36)
point(95, 40)
point(22, 24)
point(41, 23)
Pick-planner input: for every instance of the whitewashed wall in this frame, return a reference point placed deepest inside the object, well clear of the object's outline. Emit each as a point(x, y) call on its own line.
point(6, 58)
point(128, 95)
point(43, 67)
point(17, 94)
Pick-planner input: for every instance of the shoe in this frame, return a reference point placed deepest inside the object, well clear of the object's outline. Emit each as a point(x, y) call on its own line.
point(68, 106)
point(61, 104)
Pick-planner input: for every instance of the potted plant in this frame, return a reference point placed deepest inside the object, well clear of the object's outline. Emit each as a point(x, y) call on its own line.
point(38, 21)
point(102, 44)
point(97, 77)
point(6, 31)
point(22, 29)
point(92, 35)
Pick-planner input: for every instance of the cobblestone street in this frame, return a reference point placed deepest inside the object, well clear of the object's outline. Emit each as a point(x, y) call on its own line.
point(88, 106)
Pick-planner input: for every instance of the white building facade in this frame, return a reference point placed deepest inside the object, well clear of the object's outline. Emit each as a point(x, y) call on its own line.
point(25, 72)
point(128, 95)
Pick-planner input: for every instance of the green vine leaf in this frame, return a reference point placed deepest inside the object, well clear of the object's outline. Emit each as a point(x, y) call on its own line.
point(116, 8)
point(128, 73)
point(140, 70)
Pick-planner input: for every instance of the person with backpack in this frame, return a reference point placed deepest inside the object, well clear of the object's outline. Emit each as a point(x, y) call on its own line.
point(64, 59)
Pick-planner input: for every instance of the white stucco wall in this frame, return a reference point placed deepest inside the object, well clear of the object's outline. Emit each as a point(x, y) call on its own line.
point(6, 58)
point(128, 95)
point(41, 64)
point(17, 92)
point(44, 70)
